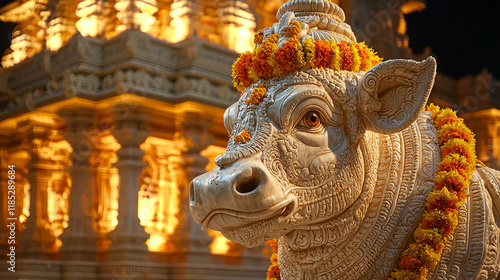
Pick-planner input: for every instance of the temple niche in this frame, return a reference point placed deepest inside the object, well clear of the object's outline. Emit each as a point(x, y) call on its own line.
point(108, 109)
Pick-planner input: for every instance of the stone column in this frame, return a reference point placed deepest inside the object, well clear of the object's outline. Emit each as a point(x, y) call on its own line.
point(190, 242)
point(32, 238)
point(130, 131)
point(79, 239)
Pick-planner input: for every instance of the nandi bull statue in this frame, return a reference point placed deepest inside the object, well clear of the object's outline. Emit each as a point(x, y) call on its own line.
point(330, 151)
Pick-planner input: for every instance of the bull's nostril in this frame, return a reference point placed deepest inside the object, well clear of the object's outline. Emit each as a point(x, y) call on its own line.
point(248, 181)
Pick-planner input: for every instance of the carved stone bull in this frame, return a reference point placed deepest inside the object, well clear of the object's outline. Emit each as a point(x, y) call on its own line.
point(338, 165)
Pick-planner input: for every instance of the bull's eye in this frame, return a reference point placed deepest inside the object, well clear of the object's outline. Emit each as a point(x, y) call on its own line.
point(311, 119)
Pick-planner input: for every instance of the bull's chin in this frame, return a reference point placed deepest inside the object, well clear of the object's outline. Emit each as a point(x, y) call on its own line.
point(249, 228)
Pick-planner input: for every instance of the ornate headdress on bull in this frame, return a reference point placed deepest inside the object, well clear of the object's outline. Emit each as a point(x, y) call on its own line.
point(330, 151)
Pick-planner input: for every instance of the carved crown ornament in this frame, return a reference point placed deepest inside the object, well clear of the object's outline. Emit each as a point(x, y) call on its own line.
point(334, 156)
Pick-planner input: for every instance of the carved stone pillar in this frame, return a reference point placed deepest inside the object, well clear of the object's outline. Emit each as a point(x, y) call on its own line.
point(190, 242)
point(128, 238)
point(79, 239)
point(36, 237)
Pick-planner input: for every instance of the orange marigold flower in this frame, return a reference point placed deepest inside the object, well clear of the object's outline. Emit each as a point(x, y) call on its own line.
point(293, 29)
point(462, 169)
point(453, 133)
point(412, 264)
point(273, 272)
point(243, 137)
point(241, 80)
point(347, 58)
point(453, 185)
point(463, 151)
point(261, 66)
point(286, 56)
point(257, 95)
point(448, 120)
point(323, 55)
point(274, 244)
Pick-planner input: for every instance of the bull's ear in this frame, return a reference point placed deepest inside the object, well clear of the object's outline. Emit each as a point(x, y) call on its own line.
point(392, 94)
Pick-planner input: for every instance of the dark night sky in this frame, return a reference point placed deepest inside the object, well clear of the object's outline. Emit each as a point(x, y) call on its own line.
point(463, 35)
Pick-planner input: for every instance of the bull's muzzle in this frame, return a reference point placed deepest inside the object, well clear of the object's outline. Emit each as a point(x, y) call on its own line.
point(235, 196)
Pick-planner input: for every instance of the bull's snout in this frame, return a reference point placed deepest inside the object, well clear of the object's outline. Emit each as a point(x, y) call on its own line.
point(235, 196)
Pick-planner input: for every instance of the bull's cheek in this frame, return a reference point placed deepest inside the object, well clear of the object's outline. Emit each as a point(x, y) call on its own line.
point(295, 164)
point(325, 188)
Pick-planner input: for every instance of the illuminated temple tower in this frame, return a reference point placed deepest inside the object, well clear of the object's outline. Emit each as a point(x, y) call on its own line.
point(109, 108)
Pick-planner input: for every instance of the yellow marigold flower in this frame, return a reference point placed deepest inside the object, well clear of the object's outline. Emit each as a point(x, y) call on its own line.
point(444, 200)
point(443, 175)
point(337, 58)
point(258, 37)
point(243, 137)
point(448, 116)
point(447, 221)
point(293, 29)
point(309, 51)
point(434, 109)
point(432, 236)
point(356, 62)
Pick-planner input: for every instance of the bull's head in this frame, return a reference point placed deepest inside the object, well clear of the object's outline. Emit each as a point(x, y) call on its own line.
point(297, 157)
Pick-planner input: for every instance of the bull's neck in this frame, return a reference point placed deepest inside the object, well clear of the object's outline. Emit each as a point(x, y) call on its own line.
point(355, 244)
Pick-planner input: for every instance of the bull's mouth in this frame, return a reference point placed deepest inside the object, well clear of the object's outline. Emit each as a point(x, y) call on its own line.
point(238, 219)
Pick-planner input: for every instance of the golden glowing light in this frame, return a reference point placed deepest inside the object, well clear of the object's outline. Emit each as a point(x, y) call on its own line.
point(156, 242)
point(91, 22)
point(239, 27)
point(180, 29)
point(219, 245)
point(106, 183)
point(159, 192)
point(25, 212)
point(91, 26)
point(138, 13)
point(210, 153)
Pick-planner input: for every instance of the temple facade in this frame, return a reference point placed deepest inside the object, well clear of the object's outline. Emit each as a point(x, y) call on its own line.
point(108, 109)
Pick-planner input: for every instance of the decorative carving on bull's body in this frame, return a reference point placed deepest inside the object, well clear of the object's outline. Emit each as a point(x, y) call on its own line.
point(333, 155)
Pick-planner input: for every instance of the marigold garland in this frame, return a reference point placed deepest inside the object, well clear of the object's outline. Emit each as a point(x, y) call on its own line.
point(269, 60)
point(440, 218)
point(273, 273)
